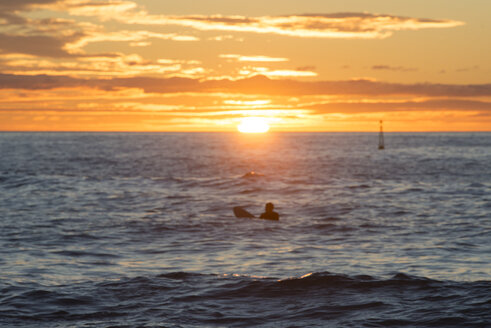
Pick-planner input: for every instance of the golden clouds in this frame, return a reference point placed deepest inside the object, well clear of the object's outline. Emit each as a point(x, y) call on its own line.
point(266, 71)
point(339, 25)
point(125, 36)
point(63, 42)
point(91, 66)
point(103, 9)
point(242, 58)
point(257, 85)
point(47, 102)
point(342, 25)
point(114, 65)
point(252, 71)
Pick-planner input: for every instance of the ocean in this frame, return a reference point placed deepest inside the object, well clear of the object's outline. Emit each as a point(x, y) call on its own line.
point(137, 230)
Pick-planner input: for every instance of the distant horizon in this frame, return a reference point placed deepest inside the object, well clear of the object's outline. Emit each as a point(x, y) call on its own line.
point(231, 132)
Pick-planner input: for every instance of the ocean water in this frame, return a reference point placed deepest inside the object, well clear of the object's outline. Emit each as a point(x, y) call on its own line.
point(137, 230)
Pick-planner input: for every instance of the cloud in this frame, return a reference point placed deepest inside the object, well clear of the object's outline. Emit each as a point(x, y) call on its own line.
point(467, 69)
point(38, 82)
point(124, 36)
point(338, 25)
point(9, 9)
point(263, 85)
point(102, 9)
point(21, 4)
point(394, 68)
point(46, 37)
point(257, 85)
point(247, 102)
point(391, 106)
point(335, 25)
point(17, 5)
point(140, 44)
point(225, 37)
point(264, 71)
point(62, 38)
point(127, 100)
point(242, 58)
point(305, 68)
point(39, 45)
point(114, 65)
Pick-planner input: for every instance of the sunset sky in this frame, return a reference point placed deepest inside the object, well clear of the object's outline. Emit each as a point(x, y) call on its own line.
point(195, 65)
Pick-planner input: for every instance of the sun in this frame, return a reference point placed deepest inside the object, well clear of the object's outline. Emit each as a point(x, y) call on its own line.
point(253, 125)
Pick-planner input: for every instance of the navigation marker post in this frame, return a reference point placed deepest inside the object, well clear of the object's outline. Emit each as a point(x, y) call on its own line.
point(381, 138)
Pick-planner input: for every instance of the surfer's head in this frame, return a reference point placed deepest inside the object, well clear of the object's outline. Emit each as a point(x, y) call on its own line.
point(269, 207)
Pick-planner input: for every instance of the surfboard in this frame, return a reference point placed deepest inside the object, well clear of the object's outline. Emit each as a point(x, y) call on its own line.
point(242, 213)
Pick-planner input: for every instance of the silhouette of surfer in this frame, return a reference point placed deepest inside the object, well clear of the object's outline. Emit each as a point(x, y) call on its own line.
point(269, 214)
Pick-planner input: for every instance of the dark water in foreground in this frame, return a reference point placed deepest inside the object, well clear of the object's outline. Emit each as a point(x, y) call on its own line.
point(137, 230)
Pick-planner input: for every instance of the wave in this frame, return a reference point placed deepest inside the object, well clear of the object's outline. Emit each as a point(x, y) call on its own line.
point(197, 299)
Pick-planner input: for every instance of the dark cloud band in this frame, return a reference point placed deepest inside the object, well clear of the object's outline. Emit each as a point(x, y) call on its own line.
point(259, 85)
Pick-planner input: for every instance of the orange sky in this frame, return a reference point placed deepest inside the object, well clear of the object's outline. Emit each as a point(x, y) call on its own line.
point(121, 65)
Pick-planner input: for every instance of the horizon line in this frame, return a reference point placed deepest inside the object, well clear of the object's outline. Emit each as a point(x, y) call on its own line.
point(237, 132)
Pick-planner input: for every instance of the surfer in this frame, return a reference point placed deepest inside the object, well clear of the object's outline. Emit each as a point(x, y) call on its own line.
point(270, 214)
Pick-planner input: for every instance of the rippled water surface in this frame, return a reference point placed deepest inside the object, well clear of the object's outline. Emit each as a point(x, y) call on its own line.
point(125, 230)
